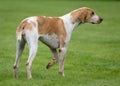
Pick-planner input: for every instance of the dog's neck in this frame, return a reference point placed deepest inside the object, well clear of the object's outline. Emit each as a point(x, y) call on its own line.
point(69, 25)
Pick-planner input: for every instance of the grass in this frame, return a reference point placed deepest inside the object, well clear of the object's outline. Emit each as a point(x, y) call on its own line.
point(93, 56)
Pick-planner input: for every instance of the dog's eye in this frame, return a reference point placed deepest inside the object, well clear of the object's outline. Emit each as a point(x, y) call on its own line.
point(92, 13)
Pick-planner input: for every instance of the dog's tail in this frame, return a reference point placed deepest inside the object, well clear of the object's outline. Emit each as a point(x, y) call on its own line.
point(19, 36)
point(19, 31)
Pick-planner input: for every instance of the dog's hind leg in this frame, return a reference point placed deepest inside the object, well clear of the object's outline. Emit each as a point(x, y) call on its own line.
point(32, 41)
point(20, 47)
point(32, 53)
point(55, 60)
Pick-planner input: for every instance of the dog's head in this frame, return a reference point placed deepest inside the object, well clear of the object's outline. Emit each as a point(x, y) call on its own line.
point(86, 14)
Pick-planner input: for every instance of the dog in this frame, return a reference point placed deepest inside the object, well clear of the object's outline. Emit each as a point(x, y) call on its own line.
point(55, 32)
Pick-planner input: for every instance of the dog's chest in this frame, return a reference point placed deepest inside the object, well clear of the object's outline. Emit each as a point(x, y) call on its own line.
point(50, 40)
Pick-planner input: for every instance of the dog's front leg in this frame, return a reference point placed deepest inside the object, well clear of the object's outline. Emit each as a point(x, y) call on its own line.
point(62, 53)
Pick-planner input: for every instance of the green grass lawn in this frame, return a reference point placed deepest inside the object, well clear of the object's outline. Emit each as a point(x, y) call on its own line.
point(93, 56)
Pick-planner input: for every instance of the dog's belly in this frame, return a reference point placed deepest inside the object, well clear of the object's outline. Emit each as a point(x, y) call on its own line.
point(50, 40)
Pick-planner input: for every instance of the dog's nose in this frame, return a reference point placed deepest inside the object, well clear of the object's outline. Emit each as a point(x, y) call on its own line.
point(101, 19)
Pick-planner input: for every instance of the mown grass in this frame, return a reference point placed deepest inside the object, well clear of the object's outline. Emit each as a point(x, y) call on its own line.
point(93, 56)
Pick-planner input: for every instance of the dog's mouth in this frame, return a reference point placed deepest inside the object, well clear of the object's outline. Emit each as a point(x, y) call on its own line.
point(93, 22)
point(98, 21)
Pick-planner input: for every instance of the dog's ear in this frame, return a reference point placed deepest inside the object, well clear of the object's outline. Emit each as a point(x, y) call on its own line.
point(82, 16)
point(74, 17)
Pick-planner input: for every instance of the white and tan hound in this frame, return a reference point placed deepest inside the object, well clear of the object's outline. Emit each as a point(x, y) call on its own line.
point(55, 32)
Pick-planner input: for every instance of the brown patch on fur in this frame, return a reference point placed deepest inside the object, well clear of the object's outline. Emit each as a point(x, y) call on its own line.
point(49, 26)
point(25, 25)
point(21, 26)
point(82, 14)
